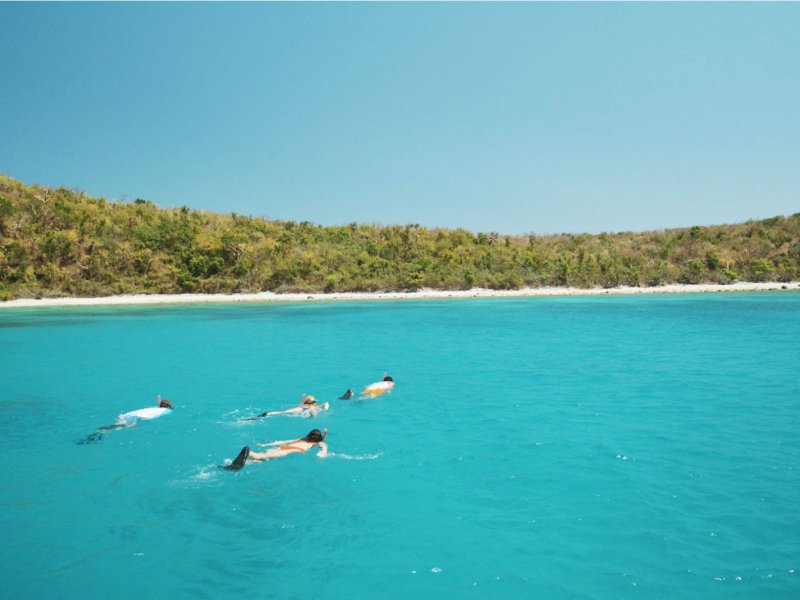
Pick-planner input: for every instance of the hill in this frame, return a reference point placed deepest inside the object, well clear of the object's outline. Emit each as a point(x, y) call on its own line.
point(60, 242)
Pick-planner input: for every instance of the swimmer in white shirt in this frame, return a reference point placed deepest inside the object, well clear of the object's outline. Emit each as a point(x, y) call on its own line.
point(130, 419)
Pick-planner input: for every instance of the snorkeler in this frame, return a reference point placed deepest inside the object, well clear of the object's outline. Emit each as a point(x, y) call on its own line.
point(308, 407)
point(130, 419)
point(347, 395)
point(374, 390)
point(302, 445)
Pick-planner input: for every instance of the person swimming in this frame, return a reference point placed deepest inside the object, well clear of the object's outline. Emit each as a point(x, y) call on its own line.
point(130, 419)
point(308, 407)
point(302, 445)
point(347, 395)
point(373, 390)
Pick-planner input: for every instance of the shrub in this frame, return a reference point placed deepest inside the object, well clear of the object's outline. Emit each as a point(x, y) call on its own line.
point(695, 271)
point(330, 284)
point(762, 269)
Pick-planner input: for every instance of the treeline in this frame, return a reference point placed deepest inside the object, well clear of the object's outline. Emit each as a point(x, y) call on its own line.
point(60, 242)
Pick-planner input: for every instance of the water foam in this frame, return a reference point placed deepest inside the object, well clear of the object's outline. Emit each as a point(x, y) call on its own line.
point(373, 456)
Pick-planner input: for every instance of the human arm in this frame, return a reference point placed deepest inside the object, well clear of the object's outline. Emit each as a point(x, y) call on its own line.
point(323, 450)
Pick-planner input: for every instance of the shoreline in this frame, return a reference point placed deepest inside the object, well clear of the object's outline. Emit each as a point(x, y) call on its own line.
point(424, 294)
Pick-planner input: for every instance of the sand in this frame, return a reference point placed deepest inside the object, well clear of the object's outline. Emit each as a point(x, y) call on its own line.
point(421, 294)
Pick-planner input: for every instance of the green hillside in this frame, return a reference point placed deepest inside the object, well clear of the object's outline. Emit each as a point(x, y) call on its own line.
point(60, 242)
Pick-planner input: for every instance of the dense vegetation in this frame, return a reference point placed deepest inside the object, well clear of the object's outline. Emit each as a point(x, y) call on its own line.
point(60, 242)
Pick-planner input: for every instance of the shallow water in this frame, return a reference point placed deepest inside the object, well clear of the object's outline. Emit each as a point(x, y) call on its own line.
point(542, 447)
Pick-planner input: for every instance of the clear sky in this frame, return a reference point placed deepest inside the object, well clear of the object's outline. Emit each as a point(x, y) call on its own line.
point(515, 118)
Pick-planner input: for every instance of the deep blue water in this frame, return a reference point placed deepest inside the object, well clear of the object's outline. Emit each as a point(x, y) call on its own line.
point(542, 447)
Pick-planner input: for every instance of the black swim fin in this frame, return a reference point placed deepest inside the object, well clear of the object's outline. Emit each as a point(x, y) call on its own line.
point(91, 438)
point(261, 416)
point(239, 461)
point(347, 395)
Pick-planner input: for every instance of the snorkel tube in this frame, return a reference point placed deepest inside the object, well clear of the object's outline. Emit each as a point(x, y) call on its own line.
point(324, 433)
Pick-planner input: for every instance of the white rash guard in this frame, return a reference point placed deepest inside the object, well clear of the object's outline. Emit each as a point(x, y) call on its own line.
point(143, 414)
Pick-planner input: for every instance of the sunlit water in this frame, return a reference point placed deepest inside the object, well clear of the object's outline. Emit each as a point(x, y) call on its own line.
point(543, 447)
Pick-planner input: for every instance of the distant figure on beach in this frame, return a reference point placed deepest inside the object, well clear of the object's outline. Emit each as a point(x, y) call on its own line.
point(130, 419)
point(373, 390)
point(308, 407)
point(302, 445)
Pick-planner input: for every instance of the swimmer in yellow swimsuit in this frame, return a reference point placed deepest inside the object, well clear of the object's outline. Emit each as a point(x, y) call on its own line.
point(302, 445)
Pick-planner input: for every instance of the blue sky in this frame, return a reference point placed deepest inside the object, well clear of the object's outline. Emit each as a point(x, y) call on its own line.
point(515, 118)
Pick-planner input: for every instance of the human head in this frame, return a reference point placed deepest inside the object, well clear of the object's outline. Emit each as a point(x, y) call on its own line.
point(309, 400)
point(164, 403)
point(314, 436)
point(387, 377)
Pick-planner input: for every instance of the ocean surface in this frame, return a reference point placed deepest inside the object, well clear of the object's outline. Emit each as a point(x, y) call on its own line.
point(604, 447)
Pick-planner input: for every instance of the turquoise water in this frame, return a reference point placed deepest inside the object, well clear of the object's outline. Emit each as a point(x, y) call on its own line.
point(542, 447)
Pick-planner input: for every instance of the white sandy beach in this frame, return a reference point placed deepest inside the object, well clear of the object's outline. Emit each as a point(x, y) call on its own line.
point(421, 294)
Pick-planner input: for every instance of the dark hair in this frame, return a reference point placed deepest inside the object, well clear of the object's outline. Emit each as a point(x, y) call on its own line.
point(387, 378)
point(165, 404)
point(314, 436)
